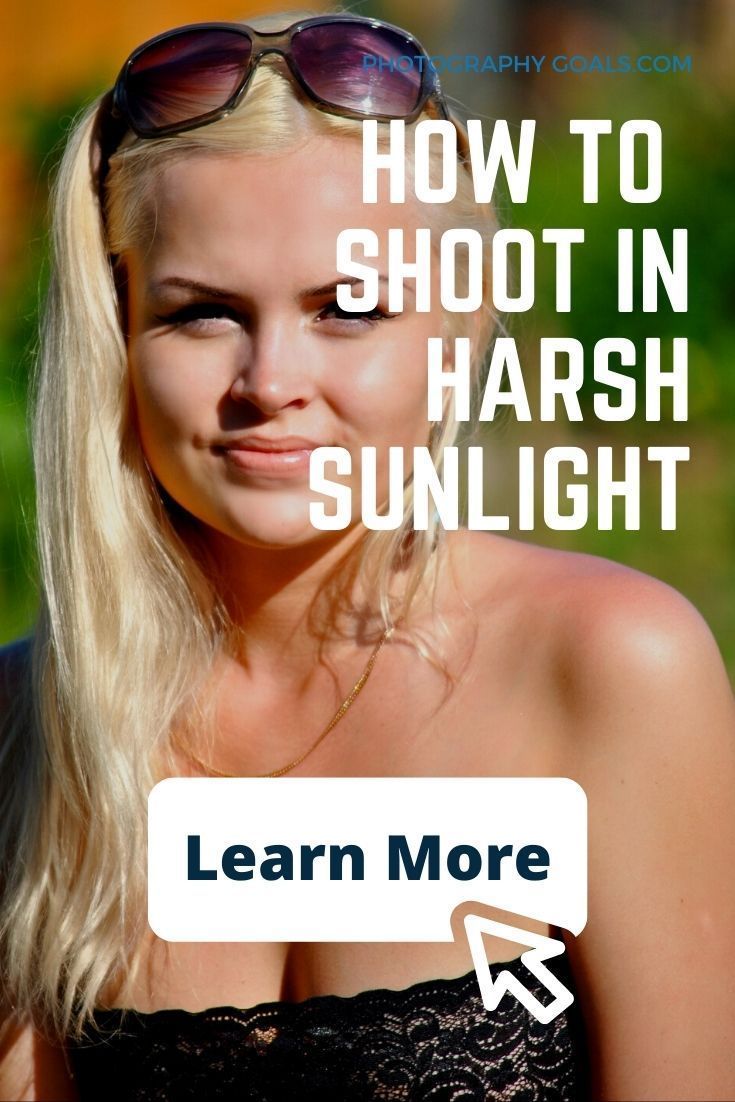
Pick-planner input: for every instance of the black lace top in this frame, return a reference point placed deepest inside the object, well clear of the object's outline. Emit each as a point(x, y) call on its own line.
point(432, 1042)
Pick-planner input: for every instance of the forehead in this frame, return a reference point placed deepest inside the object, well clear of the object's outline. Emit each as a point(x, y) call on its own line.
point(240, 210)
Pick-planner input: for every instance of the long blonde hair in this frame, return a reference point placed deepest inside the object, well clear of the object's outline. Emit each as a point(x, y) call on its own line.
point(129, 623)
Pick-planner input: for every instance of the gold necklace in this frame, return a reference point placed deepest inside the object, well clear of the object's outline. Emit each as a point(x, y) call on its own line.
point(343, 708)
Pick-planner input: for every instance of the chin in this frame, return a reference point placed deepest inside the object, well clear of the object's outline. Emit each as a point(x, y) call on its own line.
point(275, 521)
point(275, 529)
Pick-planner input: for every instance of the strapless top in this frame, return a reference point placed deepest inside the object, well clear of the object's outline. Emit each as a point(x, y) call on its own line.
point(432, 1042)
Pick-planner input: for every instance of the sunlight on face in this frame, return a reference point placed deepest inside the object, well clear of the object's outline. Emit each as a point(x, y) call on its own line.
point(237, 345)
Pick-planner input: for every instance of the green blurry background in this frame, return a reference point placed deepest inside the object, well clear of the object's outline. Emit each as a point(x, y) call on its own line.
point(58, 58)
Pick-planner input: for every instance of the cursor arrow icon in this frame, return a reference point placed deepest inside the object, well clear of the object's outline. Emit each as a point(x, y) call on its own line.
point(541, 949)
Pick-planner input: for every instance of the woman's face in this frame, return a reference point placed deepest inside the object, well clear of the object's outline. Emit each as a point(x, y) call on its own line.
point(237, 345)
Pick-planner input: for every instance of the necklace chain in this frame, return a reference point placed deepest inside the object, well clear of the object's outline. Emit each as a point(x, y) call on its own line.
point(343, 708)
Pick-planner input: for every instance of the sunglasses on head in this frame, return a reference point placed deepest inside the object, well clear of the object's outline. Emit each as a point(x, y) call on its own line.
point(345, 64)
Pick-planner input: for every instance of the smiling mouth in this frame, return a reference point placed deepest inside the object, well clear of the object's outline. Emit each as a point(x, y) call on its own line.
point(284, 458)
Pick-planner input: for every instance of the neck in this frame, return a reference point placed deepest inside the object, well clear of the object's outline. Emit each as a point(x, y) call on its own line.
point(286, 602)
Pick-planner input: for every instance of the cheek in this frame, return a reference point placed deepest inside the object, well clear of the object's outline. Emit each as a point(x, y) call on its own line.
point(158, 410)
point(170, 392)
point(166, 421)
point(385, 393)
point(171, 406)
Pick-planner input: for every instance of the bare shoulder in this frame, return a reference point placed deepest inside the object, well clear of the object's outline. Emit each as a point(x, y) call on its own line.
point(33, 1068)
point(638, 709)
point(31, 1065)
point(600, 639)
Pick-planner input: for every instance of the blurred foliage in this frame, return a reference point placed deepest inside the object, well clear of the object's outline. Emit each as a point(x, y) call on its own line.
point(698, 189)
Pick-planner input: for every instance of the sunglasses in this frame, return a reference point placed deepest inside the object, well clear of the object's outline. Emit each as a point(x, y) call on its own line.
point(345, 64)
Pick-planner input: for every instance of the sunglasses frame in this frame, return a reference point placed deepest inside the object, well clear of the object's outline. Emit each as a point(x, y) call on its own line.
point(278, 43)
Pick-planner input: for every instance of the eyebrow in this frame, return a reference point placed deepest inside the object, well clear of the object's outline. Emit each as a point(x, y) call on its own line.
point(351, 281)
point(192, 285)
point(220, 292)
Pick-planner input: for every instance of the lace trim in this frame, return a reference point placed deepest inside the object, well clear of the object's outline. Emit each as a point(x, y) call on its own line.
point(431, 1041)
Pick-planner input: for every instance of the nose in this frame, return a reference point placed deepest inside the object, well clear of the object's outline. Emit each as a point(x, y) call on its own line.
point(275, 372)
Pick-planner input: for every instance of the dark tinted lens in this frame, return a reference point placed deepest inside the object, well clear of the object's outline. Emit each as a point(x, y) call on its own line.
point(185, 77)
point(372, 70)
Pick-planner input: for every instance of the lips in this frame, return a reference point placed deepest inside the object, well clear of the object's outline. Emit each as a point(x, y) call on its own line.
point(270, 444)
point(282, 456)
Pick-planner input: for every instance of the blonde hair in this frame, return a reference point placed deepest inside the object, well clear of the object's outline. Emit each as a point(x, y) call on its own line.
point(129, 623)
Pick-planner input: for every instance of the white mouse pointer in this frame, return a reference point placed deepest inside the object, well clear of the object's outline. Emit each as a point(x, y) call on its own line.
point(541, 949)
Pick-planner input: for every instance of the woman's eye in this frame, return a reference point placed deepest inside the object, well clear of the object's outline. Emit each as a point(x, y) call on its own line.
point(352, 318)
point(201, 317)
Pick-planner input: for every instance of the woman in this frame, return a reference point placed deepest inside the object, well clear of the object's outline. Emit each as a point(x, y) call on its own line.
point(195, 623)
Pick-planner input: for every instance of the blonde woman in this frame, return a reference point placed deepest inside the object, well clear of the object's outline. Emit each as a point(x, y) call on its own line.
point(195, 623)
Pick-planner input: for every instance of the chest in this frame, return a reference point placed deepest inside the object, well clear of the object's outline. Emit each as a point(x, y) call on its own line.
point(414, 719)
